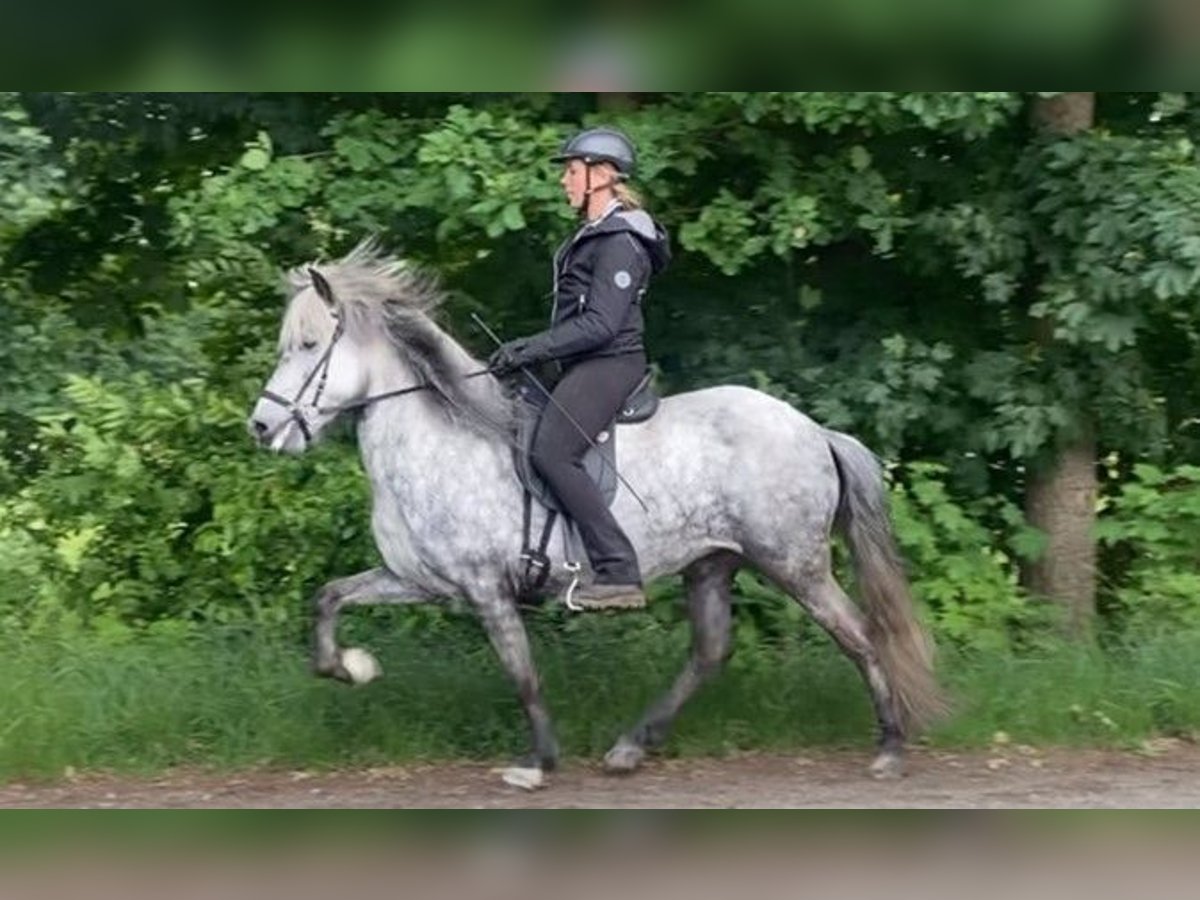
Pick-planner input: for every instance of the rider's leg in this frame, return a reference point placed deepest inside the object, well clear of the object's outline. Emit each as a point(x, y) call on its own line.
point(591, 392)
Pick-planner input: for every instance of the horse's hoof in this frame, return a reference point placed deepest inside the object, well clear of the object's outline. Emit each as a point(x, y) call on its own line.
point(625, 757)
point(887, 766)
point(527, 778)
point(359, 665)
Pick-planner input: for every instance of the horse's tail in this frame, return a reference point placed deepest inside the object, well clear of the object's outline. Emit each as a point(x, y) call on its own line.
point(905, 649)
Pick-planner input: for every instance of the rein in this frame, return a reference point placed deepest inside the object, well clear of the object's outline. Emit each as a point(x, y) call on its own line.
point(398, 392)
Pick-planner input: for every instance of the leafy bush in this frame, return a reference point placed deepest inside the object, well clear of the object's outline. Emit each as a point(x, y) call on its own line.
point(153, 504)
point(958, 566)
point(1152, 525)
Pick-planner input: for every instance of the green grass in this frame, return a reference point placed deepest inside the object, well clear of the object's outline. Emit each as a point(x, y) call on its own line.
point(1077, 695)
point(227, 698)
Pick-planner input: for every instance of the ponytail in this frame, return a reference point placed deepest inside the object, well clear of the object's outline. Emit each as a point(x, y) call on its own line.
point(627, 196)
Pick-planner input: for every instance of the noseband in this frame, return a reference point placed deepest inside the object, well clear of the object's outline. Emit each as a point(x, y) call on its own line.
point(321, 373)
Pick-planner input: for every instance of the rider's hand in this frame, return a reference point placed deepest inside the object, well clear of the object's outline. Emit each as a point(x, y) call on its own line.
point(509, 357)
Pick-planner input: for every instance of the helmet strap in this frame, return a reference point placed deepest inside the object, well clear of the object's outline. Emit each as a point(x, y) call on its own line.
point(590, 189)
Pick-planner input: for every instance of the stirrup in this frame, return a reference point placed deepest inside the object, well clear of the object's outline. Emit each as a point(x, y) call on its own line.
point(569, 596)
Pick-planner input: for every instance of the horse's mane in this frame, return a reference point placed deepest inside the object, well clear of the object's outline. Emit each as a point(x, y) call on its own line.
point(380, 291)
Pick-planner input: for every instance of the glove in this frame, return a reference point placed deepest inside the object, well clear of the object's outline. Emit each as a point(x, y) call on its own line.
point(510, 357)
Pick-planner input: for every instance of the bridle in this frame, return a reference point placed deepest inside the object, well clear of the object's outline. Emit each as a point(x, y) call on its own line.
point(320, 372)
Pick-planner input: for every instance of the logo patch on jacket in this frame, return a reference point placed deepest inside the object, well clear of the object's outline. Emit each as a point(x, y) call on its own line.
point(622, 279)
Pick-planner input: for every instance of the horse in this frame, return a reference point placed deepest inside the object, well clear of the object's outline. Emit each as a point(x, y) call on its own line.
point(718, 479)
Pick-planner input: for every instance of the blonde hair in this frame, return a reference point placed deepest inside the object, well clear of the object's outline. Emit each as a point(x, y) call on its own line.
point(627, 196)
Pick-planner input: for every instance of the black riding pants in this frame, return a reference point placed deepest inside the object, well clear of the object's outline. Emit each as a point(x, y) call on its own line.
point(591, 392)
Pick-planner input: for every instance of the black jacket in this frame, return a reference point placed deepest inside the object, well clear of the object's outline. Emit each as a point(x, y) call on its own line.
point(600, 277)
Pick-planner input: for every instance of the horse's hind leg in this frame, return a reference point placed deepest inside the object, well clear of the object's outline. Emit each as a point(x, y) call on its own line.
point(708, 583)
point(837, 614)
point(372, 586)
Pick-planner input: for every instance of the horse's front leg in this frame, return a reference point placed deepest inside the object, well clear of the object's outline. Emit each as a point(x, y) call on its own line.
point(507, 634)
point(354, 665)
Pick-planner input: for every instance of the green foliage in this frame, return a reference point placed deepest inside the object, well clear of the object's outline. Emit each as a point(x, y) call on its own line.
point(896, 385)
point(152, 504)
point(1153, 524)
point(724, 232)
point(38, 337)
point(482, 170)
point(959, 567)
point(32, 181)
point(972, 114)
point(1027, 412)
point(1115, 233)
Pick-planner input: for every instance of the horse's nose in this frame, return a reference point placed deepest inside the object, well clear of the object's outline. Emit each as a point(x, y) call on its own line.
point(257, 428)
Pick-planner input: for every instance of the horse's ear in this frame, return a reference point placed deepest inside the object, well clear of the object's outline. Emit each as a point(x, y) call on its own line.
point(323, 288)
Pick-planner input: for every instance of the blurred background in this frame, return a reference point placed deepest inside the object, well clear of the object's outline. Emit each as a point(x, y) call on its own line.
point(616, 46)
point(996, 291)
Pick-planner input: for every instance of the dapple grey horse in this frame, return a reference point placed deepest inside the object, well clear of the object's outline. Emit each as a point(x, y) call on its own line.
point(730, 477)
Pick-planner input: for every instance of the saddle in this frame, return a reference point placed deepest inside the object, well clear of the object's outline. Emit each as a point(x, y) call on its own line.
point(600, 463)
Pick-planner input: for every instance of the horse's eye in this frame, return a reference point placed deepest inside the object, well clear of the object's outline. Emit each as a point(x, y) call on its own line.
point(308, 345)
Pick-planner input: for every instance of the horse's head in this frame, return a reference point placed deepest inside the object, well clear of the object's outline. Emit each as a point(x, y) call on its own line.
point(319, 371)
point(375, 339)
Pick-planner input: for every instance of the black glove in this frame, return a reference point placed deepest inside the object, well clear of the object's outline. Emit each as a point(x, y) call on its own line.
point(510, 357)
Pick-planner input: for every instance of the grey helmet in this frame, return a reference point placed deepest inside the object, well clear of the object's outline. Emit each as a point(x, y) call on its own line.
point(601, 145)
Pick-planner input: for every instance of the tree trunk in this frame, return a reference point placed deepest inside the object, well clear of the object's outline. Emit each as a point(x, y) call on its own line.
point(1060, 500)
point(1065, 114)
point(1060, 497)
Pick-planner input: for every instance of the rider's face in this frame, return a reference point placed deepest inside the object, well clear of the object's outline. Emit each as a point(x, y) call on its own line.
point(574, 182)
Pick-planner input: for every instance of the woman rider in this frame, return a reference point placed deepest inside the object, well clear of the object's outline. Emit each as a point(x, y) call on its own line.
point(601, 274)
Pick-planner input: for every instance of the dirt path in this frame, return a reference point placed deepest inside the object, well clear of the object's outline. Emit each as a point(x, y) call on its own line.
point(1167, 775)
